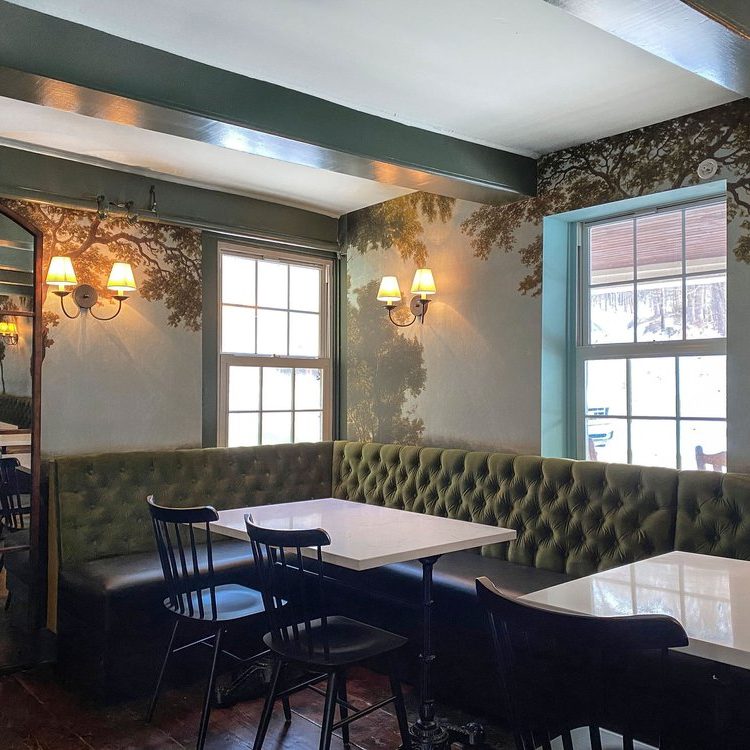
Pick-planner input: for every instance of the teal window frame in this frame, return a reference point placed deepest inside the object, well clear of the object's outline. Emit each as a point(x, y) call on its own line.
point(561, 392)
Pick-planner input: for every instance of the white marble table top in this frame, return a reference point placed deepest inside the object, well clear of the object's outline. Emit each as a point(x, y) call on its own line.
point(366, 536)
point(709, 596)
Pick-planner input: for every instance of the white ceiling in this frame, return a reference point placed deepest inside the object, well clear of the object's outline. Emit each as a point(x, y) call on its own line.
point(515, 74)
point(190, 162)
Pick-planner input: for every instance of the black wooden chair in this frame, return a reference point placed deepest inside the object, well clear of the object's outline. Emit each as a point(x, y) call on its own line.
point(563, 675)
point(14, 508)
point(304, 634)
point(193, 594)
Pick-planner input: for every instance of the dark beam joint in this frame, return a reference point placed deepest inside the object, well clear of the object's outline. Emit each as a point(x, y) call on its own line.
point(82, 70)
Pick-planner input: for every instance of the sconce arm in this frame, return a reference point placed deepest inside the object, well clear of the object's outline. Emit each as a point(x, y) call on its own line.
point(399, 325)
point(62, 296)
point(120, 299)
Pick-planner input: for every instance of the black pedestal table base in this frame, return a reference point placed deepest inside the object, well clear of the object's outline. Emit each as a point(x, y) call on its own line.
point(428, 732)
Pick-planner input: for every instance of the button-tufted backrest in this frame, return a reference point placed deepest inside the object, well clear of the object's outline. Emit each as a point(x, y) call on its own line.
point(713, 514)
point(100, 500)
point(573, 517)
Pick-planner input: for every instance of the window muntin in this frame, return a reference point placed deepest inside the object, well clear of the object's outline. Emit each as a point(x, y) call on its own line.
point(275, 374)
point(652, 337)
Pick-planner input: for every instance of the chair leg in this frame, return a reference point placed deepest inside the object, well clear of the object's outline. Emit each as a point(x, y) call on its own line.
point(203, 729)
point(7, 600)
point(265, 717)
point(329, 712)
point(155, 697)
point(398, 704)
point(287, 709)
point(344, 709)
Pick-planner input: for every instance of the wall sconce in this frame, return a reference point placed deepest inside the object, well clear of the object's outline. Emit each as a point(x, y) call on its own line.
point(422, 285)
point(62, 275)
point(9, 332)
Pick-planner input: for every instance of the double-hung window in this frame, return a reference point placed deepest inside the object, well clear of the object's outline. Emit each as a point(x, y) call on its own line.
point(274, 338)
point(651, 354)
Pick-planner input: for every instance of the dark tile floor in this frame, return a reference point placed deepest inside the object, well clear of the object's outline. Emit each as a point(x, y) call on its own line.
point(36, 713)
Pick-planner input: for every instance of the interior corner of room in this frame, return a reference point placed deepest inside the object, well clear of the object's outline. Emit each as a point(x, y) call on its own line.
point(444, 311)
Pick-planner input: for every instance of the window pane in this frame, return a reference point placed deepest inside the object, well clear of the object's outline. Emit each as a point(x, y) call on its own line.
point(308, 389)
point(308, 427)
point(237, 280)
point(652, 387)
point(706, 238)
point(244, 388)
point(605, 387)
point(304, 288)
point(703, 386)
point(654, 442)
point(272, 333)
point(611, 252)
point(706, 311)
point(242, 429)
point(237, 330)
point(660, 310)
point(277, 388)
point(703, 445)
point(273, 290)
point(304, 334)
point(659, 245)
point(611, 315)
point(607, 440)
point(277, 428)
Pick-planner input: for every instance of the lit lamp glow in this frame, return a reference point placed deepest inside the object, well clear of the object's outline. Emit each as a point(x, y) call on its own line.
point(389, 291)
point(61, 274)
point(121, 280)
point(8, 332)
point(423, 283)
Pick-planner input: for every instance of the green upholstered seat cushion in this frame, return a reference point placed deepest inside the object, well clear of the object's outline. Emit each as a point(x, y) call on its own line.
point(713, 514)
point(572, 517)
point(100, 500)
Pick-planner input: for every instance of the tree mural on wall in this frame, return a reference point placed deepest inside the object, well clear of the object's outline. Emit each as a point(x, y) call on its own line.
point(660, 157)
point(384, 369)
point(167, 256)
point(398, 224)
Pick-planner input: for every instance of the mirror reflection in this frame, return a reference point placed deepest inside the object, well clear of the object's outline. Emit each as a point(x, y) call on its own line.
point(16, 344)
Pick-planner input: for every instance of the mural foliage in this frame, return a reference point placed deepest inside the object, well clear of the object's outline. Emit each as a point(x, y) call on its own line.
point(165, 258)
point(384, 370)
point(652, 159)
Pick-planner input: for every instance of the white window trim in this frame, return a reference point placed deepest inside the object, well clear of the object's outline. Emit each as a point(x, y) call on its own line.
point(633, 350)
point(322, 362)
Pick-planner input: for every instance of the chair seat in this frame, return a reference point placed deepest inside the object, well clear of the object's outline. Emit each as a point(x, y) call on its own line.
point(233, 602)
point(610, 741)
point(349, 641)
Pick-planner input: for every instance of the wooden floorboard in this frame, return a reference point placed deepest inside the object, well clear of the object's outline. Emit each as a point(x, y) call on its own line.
point(36, 713)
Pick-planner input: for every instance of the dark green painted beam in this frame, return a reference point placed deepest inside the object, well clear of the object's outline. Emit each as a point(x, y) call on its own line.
point(677, 31)
point(115, 79)
point(24, 174)
point(734, 14)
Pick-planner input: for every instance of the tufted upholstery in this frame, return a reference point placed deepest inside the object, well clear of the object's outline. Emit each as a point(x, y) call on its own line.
point(100, 499)
point(571, 517)
point(15, 410)
point(713, 514)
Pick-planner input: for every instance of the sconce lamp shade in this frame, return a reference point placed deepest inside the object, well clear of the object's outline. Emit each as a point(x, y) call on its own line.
point(423, 283)
point(8, 332)
point(389, 291)
point(121, 279)
point(60, 272)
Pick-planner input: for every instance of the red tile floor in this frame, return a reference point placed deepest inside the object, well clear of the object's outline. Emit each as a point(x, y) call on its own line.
point(36, 713)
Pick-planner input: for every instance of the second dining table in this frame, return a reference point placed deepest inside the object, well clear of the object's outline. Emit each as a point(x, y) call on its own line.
point(364, 537)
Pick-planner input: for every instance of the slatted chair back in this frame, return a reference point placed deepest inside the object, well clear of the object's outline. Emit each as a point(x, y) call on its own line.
point(183, 540)
point(559, 671)
point(12, 508)
point(292, 586)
